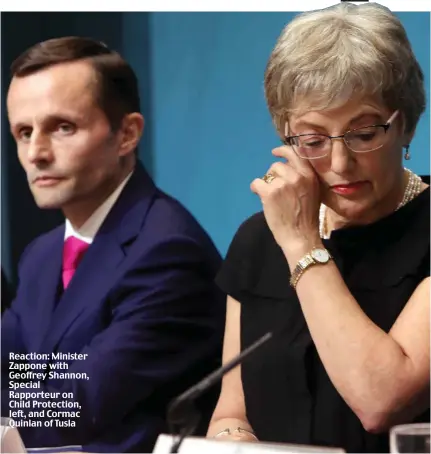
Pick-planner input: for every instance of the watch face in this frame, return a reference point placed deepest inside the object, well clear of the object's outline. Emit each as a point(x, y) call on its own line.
point(320, 255)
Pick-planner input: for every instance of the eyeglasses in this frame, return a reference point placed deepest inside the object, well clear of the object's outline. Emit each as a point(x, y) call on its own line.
point(360, 140)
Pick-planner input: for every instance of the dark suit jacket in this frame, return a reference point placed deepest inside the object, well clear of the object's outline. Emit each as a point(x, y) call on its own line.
point(6, 293)
point(143, 306)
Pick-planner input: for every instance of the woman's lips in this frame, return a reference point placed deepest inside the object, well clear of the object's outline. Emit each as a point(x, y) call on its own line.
point(346, 189)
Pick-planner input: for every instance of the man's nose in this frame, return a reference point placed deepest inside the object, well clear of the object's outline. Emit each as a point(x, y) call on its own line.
point(39, 148)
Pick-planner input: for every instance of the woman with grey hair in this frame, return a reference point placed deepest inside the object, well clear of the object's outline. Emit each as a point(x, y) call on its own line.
point(338, 263)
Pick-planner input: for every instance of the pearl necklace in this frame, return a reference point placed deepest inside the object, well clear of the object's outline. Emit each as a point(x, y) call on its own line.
point(412, 190)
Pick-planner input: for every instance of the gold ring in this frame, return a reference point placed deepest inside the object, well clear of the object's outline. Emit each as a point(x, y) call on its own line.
point(268, 177)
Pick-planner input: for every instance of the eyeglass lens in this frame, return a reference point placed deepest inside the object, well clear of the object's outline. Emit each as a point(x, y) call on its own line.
point(311, 146)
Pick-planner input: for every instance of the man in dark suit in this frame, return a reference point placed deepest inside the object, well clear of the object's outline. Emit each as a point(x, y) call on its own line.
point(139, 320)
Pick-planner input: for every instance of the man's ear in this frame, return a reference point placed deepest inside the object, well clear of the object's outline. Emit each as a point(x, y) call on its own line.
point(131, 129)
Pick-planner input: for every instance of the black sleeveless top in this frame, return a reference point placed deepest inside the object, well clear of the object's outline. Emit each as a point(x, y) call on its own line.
point(289, 396)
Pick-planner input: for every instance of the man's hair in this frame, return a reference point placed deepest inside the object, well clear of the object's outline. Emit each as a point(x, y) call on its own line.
point(323, 58)
point(117, 92)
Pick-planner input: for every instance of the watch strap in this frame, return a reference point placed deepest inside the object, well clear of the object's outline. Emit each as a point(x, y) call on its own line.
point(303, 264)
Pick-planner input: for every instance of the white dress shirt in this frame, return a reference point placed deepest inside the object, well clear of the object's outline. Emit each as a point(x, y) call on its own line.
point(88, 230)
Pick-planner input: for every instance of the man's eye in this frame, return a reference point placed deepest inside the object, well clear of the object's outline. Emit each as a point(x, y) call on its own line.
point(66, 128)
point(24, 134)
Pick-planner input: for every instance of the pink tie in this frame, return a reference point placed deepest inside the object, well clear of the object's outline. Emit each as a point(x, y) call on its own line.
point(73, 251)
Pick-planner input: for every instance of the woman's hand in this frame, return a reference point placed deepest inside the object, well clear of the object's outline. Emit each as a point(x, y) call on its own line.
point(291, 202)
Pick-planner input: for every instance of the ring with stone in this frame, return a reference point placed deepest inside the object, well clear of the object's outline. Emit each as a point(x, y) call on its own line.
point(268, 177)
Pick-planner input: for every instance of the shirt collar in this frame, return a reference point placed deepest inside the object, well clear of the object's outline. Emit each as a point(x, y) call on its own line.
point(88, 230)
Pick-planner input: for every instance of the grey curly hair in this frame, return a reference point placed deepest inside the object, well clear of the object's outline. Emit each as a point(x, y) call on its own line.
point(322, 58)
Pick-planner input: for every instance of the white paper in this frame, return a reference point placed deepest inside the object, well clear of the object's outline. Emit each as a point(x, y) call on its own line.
point(196, 445)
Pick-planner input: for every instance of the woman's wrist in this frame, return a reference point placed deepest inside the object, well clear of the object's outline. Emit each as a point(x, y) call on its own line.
point(238, 433)
point(295, 249)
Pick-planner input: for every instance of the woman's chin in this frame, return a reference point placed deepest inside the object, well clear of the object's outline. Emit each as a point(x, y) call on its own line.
point(350, 210)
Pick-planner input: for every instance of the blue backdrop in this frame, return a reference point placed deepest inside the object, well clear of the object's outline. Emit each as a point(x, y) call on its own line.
point(208, 131)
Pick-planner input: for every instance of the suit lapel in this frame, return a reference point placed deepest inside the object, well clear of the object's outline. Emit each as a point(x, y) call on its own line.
point(48, 275)
point(98, 270)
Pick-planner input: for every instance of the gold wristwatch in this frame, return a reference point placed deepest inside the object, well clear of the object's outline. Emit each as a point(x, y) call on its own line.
point(316, 256)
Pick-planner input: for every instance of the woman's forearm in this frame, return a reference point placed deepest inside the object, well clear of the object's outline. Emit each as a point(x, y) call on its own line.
point(366, 365)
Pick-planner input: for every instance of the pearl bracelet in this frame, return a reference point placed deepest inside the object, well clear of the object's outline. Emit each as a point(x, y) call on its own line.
point(237, 430)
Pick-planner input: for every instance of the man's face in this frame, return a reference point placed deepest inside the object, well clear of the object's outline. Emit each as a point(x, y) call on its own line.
point(64, 140)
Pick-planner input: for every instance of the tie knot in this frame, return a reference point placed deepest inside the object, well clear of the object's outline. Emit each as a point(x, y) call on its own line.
point(73, 250)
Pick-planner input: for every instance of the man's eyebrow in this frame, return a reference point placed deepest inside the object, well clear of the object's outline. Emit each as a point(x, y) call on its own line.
point(52, 118)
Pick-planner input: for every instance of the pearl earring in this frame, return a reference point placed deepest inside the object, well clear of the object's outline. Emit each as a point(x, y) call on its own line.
point(407, 153)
